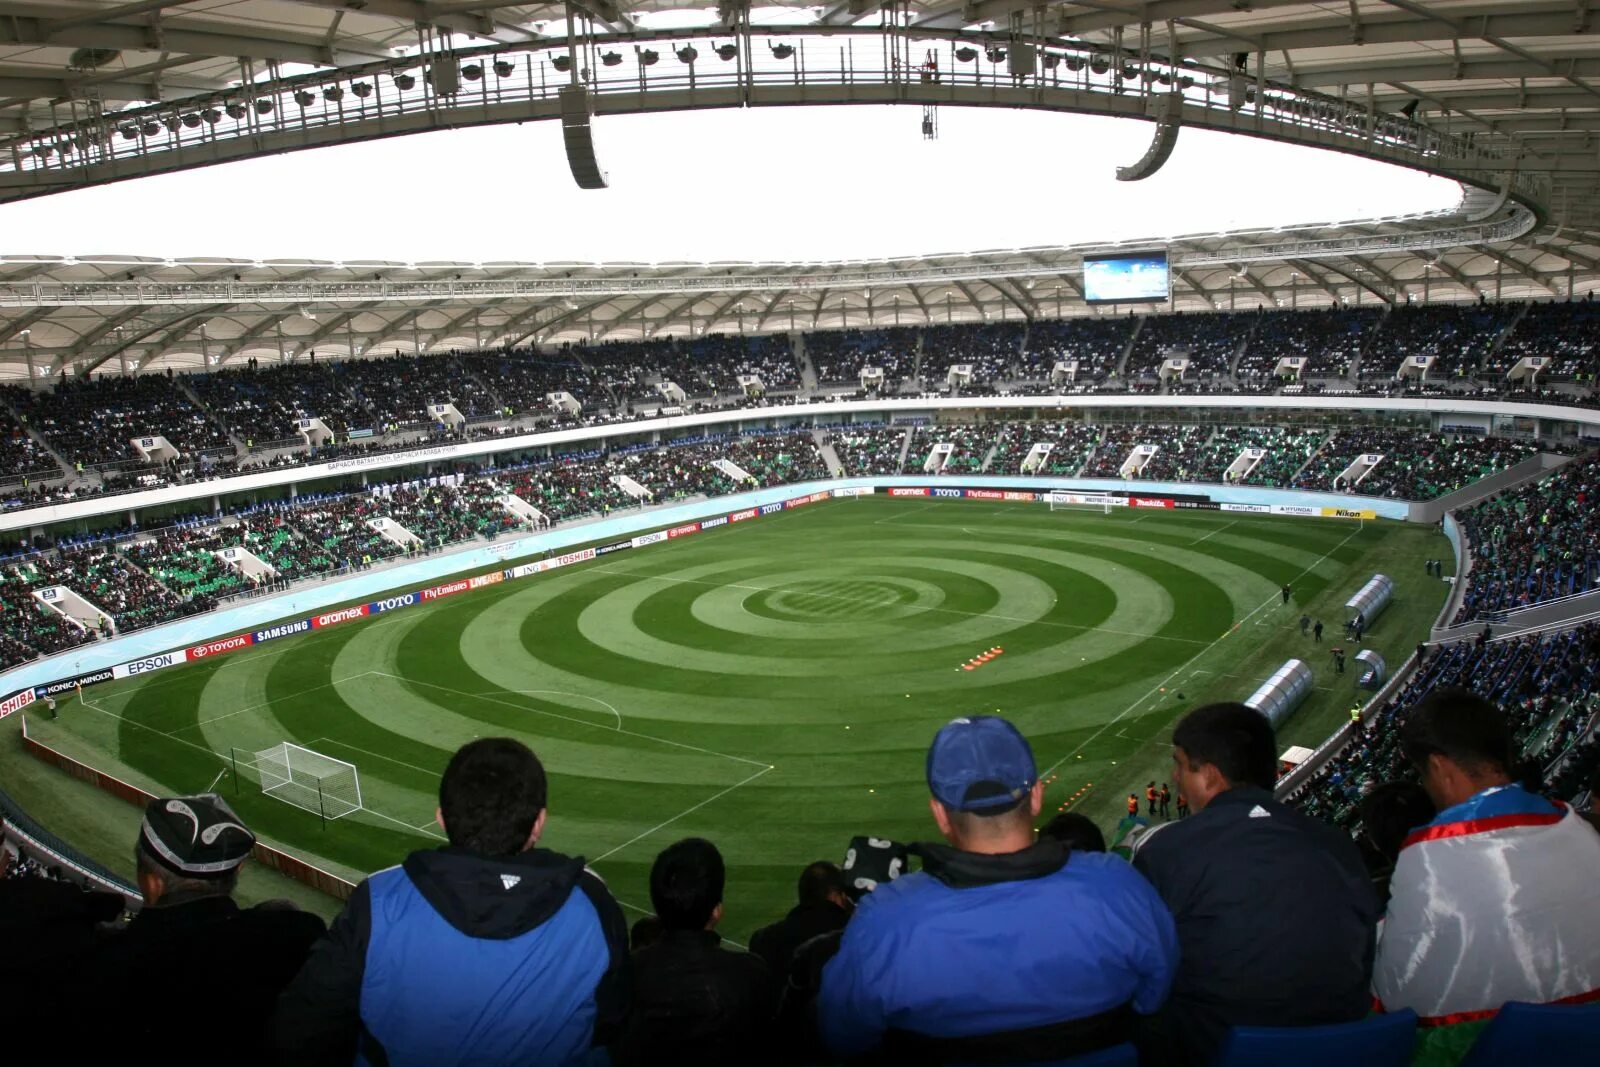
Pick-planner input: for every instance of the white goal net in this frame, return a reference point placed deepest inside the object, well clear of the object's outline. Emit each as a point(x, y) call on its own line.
point(1064, 501)
point(330, 787)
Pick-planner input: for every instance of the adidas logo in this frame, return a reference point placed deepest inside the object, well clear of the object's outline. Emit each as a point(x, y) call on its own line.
point(510, 880)
point(1258, 812)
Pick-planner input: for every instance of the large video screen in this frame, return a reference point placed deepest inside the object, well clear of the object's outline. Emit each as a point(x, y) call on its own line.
point(1126, 278)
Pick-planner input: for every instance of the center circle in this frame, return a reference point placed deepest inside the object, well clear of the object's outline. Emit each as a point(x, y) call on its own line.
point(824, 599)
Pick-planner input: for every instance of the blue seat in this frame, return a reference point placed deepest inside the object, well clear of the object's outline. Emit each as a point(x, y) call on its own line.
point(1376, 1041)
point(1525, 1034)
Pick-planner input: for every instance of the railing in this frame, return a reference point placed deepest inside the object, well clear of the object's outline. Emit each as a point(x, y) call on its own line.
point(38, 839)
point(827, 65)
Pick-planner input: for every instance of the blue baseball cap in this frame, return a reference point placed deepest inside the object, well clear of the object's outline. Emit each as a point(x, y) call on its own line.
point(980, 763)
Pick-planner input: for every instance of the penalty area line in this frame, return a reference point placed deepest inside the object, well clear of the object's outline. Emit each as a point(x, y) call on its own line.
point(687, 811)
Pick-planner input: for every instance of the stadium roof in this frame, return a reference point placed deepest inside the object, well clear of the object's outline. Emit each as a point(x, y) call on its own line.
point(1503, 96)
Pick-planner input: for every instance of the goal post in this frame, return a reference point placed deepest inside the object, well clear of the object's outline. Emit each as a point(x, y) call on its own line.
point(310, 780)
point(1060, 500)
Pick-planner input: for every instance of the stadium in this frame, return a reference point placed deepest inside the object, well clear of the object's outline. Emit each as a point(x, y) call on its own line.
point(728, 520)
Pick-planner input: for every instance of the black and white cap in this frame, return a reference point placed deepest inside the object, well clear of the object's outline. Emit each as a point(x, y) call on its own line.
point(198, 837)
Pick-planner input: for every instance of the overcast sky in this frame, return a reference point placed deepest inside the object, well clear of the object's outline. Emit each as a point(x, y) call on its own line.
point(768, 184)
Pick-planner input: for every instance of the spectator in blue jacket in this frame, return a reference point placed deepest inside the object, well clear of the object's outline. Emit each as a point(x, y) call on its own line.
point(488, 951)
point(1001, 947)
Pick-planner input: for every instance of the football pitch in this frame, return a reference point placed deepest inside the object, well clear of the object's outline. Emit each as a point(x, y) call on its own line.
point(773, 685)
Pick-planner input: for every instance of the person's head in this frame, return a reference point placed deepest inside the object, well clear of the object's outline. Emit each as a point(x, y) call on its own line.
point(686, 884)
point(1077, 832)
point(189, 846)
point(1220, 746)
point(1460, 745)
point(1390, 812)
point(492, 797)
point(822, 883)
point(646, 931)
point(985, 786)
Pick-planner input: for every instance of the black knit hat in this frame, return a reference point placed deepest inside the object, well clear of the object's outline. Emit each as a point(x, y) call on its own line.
point(197, 837)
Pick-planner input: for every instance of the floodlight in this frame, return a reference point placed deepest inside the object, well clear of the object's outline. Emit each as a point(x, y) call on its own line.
point(211, 115)
point(172, 122)
point(304, 99)
point(361, 89)
point(1099, 64)
point(782, 51)
point(1050, 60)
point(561, 63)
point(647, 56)
point(1076, 63)
point(404, 81)
point(687, 54)
point(727, 51)
point(966, 55)
point(611, 59)
point(149, 129)
point(503, 68)
point(129, 132)
point(264, 106)
point(333, 93)
point(472, 72)
point(192, 121)
point(234, 110)
point(994, 55)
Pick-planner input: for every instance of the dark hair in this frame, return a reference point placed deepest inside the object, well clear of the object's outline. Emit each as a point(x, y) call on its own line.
point(646, 931)
point(1235, 739)
point(1077, 832)
point(818, 881)
point(686, 884)
point(1390, 812)
point(1461, 726)
point(491, 795)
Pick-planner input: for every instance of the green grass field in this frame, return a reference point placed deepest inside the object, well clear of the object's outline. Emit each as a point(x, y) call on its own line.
point(772, 685)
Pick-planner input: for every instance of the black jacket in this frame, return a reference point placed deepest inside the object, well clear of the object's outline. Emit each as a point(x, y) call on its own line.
point(319, 1016)
point(697, 1002)
point(775, 944)
point(198, 974)
point(1276, 920)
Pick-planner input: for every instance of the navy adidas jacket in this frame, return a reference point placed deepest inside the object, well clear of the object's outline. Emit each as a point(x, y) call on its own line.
point(1030, 955)
point(454, 958)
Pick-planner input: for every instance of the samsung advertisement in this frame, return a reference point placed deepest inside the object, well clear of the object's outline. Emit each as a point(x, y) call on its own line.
point(1126, 278)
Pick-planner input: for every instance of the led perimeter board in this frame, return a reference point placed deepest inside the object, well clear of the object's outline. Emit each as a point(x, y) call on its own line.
point(1126, 278)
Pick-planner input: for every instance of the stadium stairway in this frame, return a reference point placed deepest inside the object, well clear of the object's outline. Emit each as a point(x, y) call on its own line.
point(1500, 338)
point(1326, 441)
point(1361, 353)
point(829, 456)
point(239, 449)
point(802, 360)
point(40, 440)
point(1127, 350)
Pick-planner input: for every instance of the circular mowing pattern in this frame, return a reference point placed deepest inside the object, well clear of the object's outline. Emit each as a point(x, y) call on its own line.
point(840, 599)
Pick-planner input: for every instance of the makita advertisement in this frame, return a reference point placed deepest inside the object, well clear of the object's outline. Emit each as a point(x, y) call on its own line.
point(392, 603)
point(226, 644)
point(334, 618)
point(272, 633)
point(151, 663)
point(16, 702)
point(1148, 502)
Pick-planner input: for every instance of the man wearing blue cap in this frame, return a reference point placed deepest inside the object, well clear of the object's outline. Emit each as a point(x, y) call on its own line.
point(1001, 947)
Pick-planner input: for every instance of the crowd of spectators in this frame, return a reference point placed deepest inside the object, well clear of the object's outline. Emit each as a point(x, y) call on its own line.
point(839, 356)
point(870, 450)
point(1178, 451)
point(1096, 342)
point(1209, 340)
point(1328, 339)
point(264, 404)
point(1287, 450)
point(1457, 336)
point(1432, 465)
point(1071, 444)
point(397, 390)
point(1533, 543)
point(990, 349)
point(27, 627)
point(1326, 469)
point(95, 420)
point(1567, 333)
point(522, 378)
